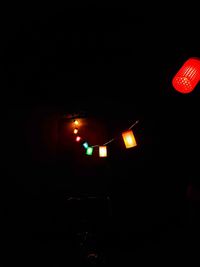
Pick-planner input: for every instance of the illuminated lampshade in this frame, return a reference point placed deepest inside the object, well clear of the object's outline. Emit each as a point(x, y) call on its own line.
point(188, 76)
point(85, 145)
point(102, 151)
point(89, 150)
point(75, 131)
point(78, 138)
point(129, 139)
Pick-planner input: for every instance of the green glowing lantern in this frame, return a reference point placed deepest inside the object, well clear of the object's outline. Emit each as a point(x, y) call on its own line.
point(89, 151)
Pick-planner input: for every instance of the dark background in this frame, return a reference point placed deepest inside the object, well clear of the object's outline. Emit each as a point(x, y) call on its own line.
point(114, 66)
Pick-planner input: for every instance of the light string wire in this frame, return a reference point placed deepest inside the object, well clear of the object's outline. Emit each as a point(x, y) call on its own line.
point(111, 140)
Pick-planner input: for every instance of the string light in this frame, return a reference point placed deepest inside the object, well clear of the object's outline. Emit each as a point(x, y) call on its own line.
point(89, 151)
point(102, 151)
point(75, 130)
point(78, 138)
point(128, 137)
point(76, 122)
point(85, 145)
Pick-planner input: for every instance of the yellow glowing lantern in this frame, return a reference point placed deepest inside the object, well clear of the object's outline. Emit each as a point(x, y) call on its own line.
point(102, 151)
point(76, 122)
point(129, 139)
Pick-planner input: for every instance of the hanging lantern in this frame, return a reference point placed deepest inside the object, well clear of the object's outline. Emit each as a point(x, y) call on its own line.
point(188, 76)
point(75, 130)
point(85, 145)
point(78, 138)
point(129, 139)
point(89, 151)
point(76, 122)
point(102, 151)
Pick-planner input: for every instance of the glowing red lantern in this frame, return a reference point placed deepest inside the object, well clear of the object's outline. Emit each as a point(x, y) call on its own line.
point(188, 76)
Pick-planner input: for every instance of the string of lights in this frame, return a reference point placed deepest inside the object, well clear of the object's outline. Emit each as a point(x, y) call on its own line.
point(185, 80)
point(113, 139)
point(128, 138)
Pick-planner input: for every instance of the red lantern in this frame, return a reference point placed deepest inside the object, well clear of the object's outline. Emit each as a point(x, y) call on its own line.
point(188, 76)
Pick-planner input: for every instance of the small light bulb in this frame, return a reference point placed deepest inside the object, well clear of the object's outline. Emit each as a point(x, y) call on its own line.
point(76, 122)
point(78, 138)
point(75, 131)
point(102, 151)
point(85, 145)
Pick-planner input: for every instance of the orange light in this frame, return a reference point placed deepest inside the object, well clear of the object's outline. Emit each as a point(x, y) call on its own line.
point(129, 139)
point(103, 151)
point(75, 131)
point(76, 122)
point(188, 76)
point(78, 138)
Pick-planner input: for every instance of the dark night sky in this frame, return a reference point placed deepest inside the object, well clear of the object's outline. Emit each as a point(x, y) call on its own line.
point(116, 66)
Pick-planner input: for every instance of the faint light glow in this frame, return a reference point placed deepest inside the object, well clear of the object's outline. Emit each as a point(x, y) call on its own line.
point(75, 130)
point(89, 150)
point(103, 151)
point(78, 138)
point(129, 139)
point(85, 145)
point(188, 76)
